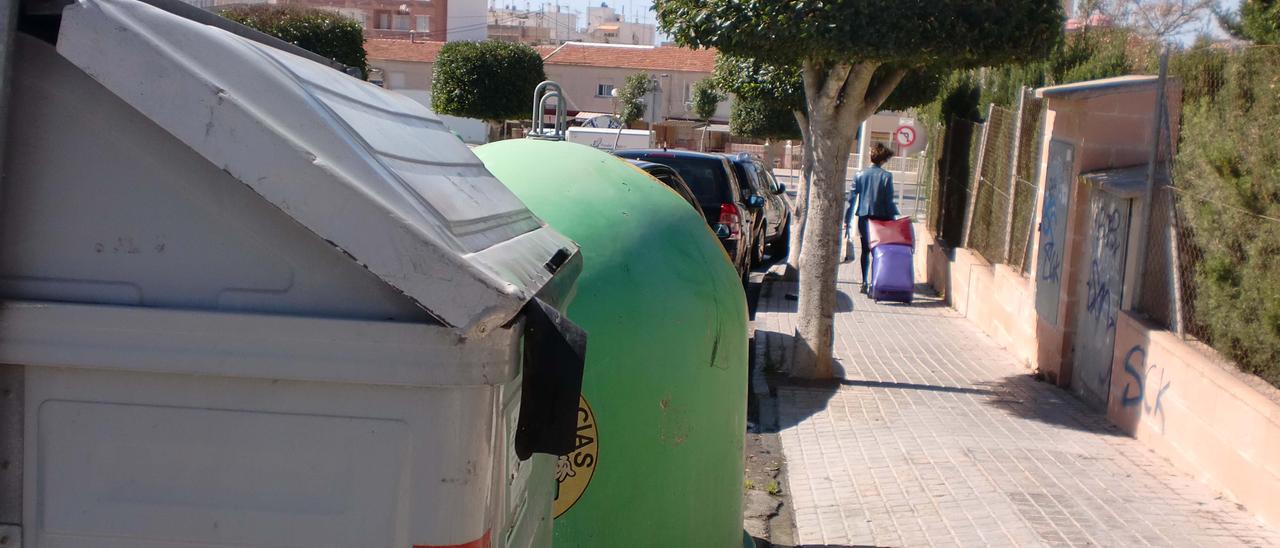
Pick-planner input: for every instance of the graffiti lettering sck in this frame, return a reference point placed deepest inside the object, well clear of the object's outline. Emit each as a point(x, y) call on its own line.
point(574, 471)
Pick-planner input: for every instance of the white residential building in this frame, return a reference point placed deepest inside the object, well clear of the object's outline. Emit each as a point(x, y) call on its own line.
point(607, 26)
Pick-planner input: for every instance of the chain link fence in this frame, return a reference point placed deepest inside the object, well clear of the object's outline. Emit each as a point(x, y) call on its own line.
point(983, 184)
point(959, 142)
point(1026, 177)
point(1212, 258)
point(987, 228)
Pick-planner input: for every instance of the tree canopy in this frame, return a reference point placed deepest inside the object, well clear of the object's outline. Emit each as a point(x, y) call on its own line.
point(952, 32)
point(760, 119)
point(326, 33)
point(489, 80)
point(749, 78)
point(781, 87)
point(706, 99)
point(631, 98)
point(1258, 21)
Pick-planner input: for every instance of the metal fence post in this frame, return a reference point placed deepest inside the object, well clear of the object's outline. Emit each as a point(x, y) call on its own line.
point(1144, 216)
point(977, 179)
point(1013, 173)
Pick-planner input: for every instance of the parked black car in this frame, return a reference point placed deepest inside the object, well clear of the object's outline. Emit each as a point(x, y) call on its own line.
point(670, 177)
point(728, 209)
point(772, 223)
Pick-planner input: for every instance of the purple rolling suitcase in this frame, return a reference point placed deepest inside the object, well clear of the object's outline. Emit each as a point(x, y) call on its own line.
point(892, 273)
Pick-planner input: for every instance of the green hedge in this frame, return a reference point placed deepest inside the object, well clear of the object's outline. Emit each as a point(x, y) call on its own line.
point(1228, 170)
point(489, 80)
point(331, 35)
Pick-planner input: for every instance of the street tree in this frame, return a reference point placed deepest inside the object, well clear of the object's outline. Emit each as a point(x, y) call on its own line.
point(706, 98)
point(325, 33)
point(1257, 21)
point(631, 101)
point(852, 54)
point(489, 80)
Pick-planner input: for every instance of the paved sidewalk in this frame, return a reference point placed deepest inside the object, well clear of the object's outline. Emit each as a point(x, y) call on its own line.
point(936, 436)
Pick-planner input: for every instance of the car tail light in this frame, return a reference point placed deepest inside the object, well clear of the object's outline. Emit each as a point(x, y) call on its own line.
point(729, 221)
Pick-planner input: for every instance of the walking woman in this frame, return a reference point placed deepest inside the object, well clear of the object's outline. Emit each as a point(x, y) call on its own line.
point(872, 200)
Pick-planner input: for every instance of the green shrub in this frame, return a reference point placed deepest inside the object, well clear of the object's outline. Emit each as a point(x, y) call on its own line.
point(761, 119)
point(325, 33)
point(489, 80)
point(1228, 167)
point(1258, 21)
point(631, 98)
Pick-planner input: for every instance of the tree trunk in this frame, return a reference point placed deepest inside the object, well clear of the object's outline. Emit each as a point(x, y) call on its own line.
point(801, 206)
point(838, 97)
point(618, 137)
point(830, 141)
point(702, 143)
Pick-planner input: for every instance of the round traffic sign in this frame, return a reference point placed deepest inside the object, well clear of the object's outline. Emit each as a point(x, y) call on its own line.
point(905, 135)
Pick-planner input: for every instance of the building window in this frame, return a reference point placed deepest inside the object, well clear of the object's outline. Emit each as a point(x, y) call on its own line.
point(604, 90)
point(422, 23)
point(384, 21)
point(402, 22)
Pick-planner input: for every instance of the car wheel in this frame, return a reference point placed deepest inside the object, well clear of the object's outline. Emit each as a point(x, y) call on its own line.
point(757, 249)
point(782, 244)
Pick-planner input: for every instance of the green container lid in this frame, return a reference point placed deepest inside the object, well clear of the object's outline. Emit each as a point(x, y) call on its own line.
point(663, 415)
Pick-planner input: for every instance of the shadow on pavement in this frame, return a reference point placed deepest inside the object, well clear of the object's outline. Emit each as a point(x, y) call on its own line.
point(914, 386)
point(1025, 397)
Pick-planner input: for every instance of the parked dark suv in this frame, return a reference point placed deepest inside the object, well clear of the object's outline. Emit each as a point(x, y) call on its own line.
point(771, 230)
point(728, 209)
point(670, 177)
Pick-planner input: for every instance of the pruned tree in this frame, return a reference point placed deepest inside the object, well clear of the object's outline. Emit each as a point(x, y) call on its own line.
point(326, 33)
point(489, 80)
point(706, 98)
point(631, 103)
point(1257, 21)
point(852, 55)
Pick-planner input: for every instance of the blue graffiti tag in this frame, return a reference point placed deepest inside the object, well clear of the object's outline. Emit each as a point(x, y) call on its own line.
point(1099, 296)
point(1050, 215)
point(1126, 399)
point(1107, 226)
point(1050, 262)
point(1152, 406)
point(1050, 266)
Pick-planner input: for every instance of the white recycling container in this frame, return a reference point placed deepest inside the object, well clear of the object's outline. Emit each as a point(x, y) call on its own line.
point(249, 300)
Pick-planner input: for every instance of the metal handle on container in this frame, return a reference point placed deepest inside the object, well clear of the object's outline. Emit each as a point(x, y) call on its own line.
point(548, 90)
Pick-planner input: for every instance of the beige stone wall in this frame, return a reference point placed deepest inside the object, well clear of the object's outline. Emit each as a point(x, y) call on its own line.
point(999, 299)
point(413, 75)
point(1184, 402)
point(1179, 397)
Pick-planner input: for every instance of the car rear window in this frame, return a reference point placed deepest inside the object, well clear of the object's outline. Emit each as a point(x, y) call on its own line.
point(705, 177)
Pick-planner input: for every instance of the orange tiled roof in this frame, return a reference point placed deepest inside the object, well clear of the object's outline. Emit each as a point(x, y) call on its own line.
point(571, 53)
point(633, 57)
point(402, 50)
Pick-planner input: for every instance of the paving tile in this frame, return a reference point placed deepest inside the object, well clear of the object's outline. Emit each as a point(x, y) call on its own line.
point(936, 436)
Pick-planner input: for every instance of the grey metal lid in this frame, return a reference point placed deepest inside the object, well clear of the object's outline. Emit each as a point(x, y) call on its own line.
point(375, 173)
